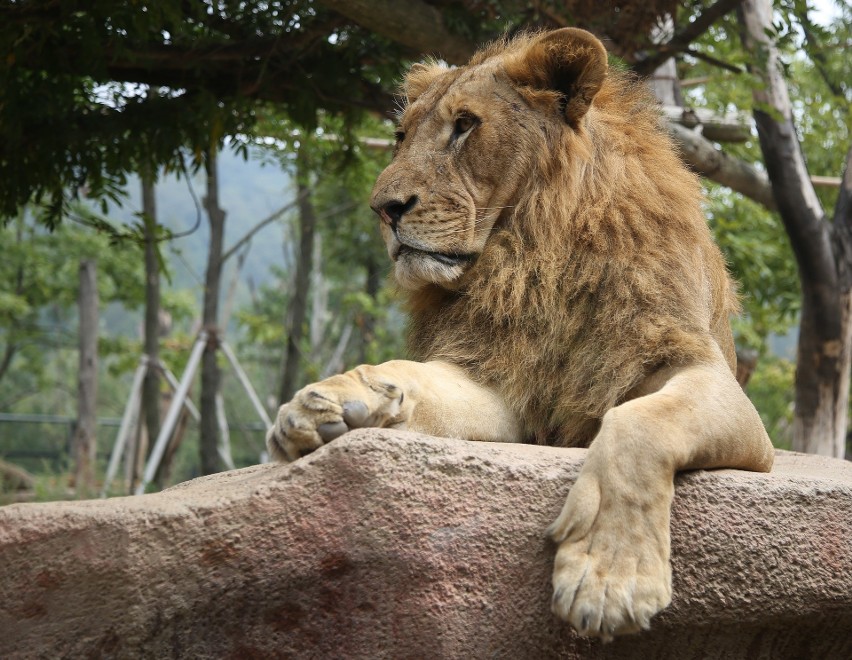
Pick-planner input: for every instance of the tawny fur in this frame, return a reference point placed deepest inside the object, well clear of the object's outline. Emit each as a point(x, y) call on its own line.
point(603, 271)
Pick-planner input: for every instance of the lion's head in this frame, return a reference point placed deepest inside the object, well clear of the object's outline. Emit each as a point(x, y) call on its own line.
point(465, 144)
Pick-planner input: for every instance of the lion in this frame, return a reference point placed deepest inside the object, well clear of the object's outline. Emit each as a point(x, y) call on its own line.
point(563, 288)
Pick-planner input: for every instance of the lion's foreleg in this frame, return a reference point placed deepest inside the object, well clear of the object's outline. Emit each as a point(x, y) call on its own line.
point(612, 570)
point(436, 398)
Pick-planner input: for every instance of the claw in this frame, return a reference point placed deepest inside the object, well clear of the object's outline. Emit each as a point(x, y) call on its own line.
point(355, 413)
point(331, 430)
point(275, 446)
point(557, 595)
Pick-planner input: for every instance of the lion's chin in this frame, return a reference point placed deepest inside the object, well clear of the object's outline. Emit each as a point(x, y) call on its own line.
point(413, 268)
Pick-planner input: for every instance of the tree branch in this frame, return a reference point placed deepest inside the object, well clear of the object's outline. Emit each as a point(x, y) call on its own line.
point(414, 24)
point(700, 154)
point(813, 49)
point(683, 39)
point(8, 354)
point(697, 54)
point(260, 225)
point(825, 332)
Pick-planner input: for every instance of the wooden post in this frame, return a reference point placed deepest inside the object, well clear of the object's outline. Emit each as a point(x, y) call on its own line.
point(85, 436)
point(246, 383)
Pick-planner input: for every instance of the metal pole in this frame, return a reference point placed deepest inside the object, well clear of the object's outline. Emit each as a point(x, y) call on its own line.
point(173, 383)
point(255, 400)
point(128, 421)
point(172, 416)
point(224, 448)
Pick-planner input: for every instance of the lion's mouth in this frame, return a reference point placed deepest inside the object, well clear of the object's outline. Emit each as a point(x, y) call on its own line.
point(445, 258)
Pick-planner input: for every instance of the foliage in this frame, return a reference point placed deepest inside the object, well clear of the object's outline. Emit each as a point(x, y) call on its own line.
point(38, 344)
point(758, 252)
point(771, 391)
point(38, 278)
point(90, 91)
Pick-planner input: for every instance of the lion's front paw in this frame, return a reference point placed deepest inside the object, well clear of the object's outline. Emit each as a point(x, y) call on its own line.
point(612, 571)
point(321, 412)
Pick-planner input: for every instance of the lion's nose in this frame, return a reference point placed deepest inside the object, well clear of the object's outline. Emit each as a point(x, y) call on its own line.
point(391, 212)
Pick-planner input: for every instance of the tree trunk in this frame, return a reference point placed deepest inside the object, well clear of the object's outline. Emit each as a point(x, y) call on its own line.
point(842, 241)
point(823, 366)
point(319, 302)
point(209, 428)
point(367, 321)
point(85, 435)
point(151, 385)
point(299, 301)
point(664, 82)
point(665, 85)
point(135, 464)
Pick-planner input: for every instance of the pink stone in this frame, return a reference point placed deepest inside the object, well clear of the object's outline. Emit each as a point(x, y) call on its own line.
point(395, 545)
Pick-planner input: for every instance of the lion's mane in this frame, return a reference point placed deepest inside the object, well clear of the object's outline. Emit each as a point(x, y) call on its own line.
point(603, 272)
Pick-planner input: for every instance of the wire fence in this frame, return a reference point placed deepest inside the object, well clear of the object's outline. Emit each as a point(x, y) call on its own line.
point(43, 443)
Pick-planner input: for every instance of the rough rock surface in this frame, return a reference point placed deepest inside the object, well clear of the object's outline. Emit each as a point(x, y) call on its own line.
point(393, 545)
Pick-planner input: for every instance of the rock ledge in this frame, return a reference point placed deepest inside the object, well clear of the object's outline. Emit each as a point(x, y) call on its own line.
point(395, 545)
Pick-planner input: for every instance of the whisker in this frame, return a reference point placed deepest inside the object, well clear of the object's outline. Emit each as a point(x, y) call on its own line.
point(480, 216)
point(450, 232)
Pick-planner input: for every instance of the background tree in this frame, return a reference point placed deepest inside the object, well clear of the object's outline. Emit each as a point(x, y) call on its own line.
point(151, 331)
point(823, 250)
point(182, 72)
point(82, 82)
point(210, 374)
point(85, 441)
point(298, 308)
point(39, 287)
point(348, 314)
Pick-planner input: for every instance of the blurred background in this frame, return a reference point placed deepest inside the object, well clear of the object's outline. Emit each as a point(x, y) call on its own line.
point(173, 170)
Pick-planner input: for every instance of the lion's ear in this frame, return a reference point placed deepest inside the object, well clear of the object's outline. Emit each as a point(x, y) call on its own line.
point(569, 61)
point(419, 77)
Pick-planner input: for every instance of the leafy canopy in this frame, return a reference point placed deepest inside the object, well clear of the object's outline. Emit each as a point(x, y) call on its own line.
point(91, 90)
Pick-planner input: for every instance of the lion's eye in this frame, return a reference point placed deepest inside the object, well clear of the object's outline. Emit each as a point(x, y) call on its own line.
point(463, 124)
point(399, 136)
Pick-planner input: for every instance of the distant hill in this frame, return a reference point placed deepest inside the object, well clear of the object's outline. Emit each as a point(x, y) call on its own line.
point(249, 192)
